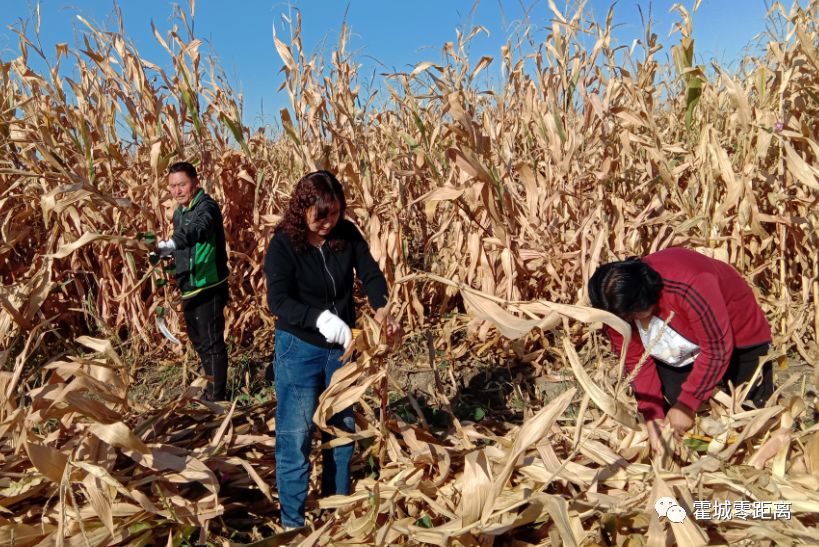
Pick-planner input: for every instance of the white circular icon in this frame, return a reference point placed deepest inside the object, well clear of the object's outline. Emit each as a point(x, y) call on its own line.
point(675, 514)
point(662, 505)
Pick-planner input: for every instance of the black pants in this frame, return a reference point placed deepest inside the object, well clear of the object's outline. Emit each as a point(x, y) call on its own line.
point(742, 366)
point(205, 319)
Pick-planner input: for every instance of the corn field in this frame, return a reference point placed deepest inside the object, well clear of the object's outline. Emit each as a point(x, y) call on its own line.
point(487, 206)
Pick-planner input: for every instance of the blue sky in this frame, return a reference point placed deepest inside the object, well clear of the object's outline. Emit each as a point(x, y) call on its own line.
point(387, 35)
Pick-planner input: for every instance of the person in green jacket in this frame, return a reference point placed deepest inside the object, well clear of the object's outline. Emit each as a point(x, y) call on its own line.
point(198, 248)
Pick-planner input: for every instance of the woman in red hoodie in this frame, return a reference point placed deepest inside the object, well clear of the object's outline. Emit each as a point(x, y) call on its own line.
point(717, 332)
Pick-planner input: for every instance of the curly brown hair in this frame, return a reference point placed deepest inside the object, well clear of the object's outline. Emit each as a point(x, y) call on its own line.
point(319, 188)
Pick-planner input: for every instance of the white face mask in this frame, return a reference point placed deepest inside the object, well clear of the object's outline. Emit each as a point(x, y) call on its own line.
point(666, 344)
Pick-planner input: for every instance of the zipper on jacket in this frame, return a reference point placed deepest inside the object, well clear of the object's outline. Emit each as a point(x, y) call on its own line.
point(332, 279)
point(191, 257)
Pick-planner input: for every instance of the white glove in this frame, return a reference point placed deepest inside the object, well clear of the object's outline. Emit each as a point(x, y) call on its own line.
point(165, 248)
point(334, 329)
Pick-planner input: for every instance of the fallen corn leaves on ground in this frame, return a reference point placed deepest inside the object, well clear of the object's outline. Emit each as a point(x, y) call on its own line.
point(86, 463)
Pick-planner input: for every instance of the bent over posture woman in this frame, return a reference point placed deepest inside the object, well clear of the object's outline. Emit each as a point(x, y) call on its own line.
point(310, 264)
point(717, 332)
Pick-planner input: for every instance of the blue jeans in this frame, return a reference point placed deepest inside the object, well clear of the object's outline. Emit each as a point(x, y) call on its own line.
point(303, 371)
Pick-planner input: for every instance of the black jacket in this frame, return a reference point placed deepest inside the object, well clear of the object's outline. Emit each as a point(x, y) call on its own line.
point(302, 285)
point(199, 235)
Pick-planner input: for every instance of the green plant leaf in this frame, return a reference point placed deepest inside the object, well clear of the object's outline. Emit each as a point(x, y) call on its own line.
point(698, 445)
point(139, 527)
point(425, 521)
point(147, 237)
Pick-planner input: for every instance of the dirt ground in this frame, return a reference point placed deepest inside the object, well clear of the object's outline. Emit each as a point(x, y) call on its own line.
point(490, 386)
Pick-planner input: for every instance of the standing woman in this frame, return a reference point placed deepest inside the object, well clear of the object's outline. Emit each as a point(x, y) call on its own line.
point(311, 263)
point(717, 333)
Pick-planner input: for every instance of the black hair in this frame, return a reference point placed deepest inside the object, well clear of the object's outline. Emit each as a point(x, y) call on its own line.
point(319, 189)
point(624, 287)
point(184, 167)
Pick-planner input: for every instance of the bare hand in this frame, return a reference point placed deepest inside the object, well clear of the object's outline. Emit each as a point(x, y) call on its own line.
point(655, 429)
point(681, 419)
point(393, 328)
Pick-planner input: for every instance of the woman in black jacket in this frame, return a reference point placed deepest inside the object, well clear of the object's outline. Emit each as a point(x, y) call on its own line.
point(310, 265)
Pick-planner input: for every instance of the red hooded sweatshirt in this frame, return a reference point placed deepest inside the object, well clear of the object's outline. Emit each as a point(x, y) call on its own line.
point(713, 308)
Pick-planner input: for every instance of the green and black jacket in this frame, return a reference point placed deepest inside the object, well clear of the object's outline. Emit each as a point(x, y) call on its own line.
point(199, 236)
